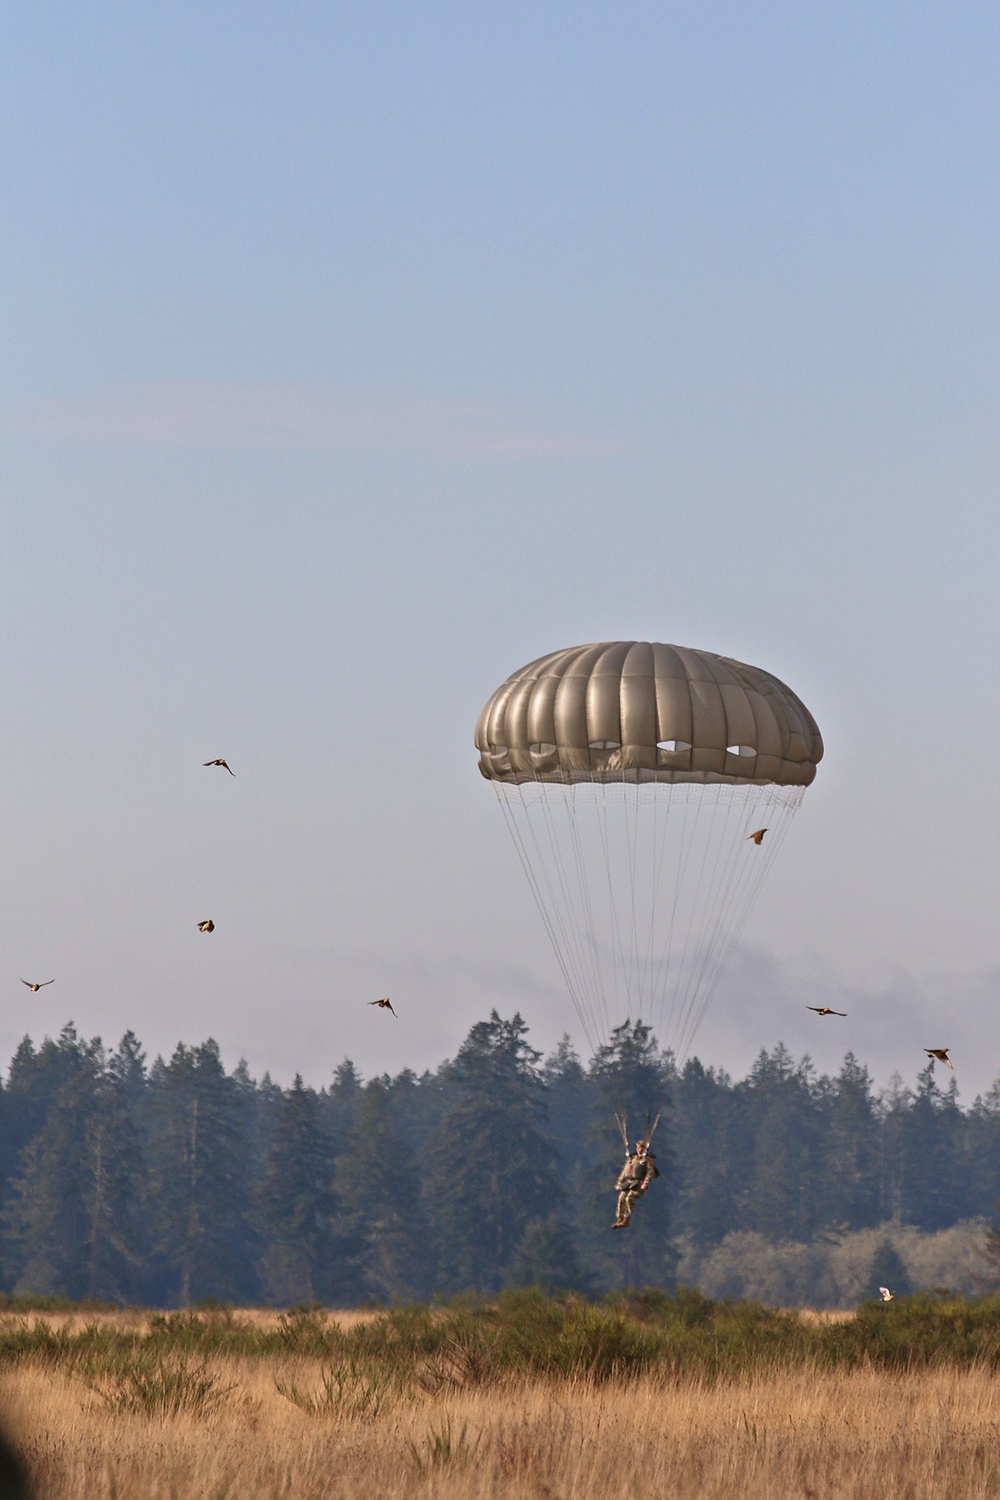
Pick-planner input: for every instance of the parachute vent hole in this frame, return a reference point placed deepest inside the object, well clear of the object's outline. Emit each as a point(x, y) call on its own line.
point(498, 749)
point(543, 749)
point(605, 745)
point(672, 745)
point(740, 750)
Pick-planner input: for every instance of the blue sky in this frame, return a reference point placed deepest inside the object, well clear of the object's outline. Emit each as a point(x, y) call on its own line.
point(354, 355)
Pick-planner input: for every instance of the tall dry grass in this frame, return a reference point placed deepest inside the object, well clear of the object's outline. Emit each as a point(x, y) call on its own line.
point(528, 1396)
point(801, 1432)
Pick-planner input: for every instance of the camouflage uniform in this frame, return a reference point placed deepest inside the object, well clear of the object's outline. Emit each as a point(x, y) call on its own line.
point(634, 1178)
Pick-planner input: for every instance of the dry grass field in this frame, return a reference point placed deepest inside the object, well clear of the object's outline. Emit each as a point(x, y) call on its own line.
point(801, 1433)
point(125, 1422)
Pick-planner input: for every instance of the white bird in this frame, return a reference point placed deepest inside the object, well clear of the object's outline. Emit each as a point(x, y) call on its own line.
point(885, 1294)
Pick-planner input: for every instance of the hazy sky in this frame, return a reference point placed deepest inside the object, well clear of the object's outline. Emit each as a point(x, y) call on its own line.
point(354, 355)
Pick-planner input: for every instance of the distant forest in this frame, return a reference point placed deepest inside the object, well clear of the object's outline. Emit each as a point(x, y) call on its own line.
point(171, 1183)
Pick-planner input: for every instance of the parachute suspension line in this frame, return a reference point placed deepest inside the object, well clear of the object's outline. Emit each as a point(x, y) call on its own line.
point(662, 975)
point(716, 901)
point(597, 985)
point(570, 925)
point(743, 871)
point(536, 891)
point(616, 936)
point(649, 976)
point(644, 905)
point(678, 988)
point(781, 804)
point(633, 977)
point(721, 903)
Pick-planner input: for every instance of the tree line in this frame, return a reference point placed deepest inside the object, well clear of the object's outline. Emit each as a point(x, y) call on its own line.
point(173, 1182)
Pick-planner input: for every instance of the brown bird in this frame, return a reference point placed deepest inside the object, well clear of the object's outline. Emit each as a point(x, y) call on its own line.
point(940, 1054)
point(385, 1004)
point(34, 988)
point(757, 837)
point(207, 926)
point(219, 762)
point(824, 1010)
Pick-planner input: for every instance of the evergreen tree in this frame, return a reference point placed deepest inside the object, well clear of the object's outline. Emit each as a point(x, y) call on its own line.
point(339, 1102)
point(991, 1254)
point(202, 1206)
point(117, 1241)
point(781, 1198)
point(892, 1110)
point(850, 1198)
point(296, 1202)
point(887, 1269)
point(49, 1216)
point(491, 1170)
point(380, 1218)
point(568, 1105)
point(712, 1152)
point(979, 1167)
point(930, 1155)
point(417, 1106)
point(547, 1257)
point(75, 1213)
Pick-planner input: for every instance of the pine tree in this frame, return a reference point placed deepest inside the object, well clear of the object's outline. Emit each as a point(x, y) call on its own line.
point(850, 1198)
point(117, 1241)
point(991, 1253)
point(49, 1215)
point(887, 1270)
point(547, 1258)
point(379, 1218)
point(711, 1153)
point(491, 1169)
point(339, 1102)
point(296, 1201)
point(931, 1150)
point(781, 1192)
point(201, 1200)
point(568, 1107)
point(75, 1214)
point(892, 1110)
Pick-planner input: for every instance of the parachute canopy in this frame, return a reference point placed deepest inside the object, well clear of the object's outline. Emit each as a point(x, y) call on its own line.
point(640, 711)
point(633, 777)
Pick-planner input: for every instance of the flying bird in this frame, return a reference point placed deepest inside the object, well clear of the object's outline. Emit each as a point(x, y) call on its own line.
point(940, 1054)
point(219, 762)
point(385, 1004)
point(34, 988)
point(885, 1294)
point(206, 926)
point(757, 837)
point(824, 1010)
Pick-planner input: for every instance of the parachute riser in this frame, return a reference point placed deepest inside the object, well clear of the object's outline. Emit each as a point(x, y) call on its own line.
point(621, 1120)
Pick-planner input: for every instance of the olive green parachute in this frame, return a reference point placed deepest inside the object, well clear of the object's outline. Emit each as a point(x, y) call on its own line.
point(633, 776)
point(642, 711)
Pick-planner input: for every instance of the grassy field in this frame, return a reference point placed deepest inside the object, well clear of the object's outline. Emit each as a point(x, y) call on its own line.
point(650, 1396)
